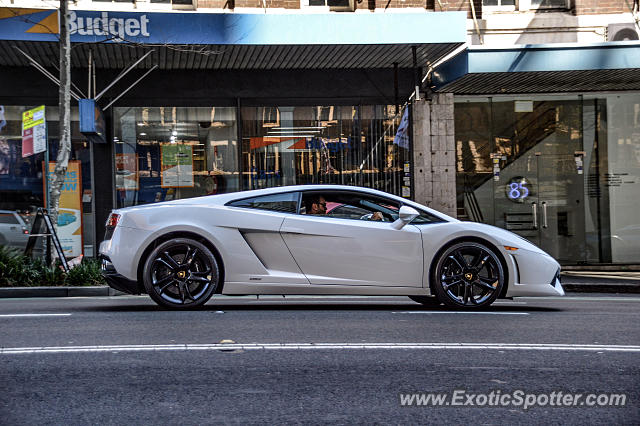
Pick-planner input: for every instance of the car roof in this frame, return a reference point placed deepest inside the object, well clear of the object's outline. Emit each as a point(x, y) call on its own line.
point(222, 199)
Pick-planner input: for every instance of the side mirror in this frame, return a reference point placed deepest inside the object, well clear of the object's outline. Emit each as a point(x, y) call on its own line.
point(406, 215)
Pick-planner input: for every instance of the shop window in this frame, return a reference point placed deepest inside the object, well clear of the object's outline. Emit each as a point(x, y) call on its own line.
point(168, 153)
point(348, 145)
point(22, 182)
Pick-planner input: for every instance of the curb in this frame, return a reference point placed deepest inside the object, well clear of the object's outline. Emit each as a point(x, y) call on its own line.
point(16, 292)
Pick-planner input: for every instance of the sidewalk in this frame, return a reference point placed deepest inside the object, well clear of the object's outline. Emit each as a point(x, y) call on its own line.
point(601, 281)
point(572, 281)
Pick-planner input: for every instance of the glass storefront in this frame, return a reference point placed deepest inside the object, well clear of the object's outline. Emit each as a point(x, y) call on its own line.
point(169, 153)
point(561, 171)
point(347, 145)
point(181, 152)
point(22, 183)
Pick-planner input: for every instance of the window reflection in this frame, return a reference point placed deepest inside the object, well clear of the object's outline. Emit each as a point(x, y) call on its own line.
point(167, 153)
point(349, 145)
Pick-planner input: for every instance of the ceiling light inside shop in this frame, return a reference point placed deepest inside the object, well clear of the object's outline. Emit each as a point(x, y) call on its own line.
point(142, 134)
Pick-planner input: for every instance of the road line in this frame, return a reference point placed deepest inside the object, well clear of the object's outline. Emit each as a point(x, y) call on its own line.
point(320, 346)
point(32, 315)
point(460, 312)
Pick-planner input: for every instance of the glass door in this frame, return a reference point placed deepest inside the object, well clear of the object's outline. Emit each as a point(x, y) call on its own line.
point(561, 221)
point(542, 200)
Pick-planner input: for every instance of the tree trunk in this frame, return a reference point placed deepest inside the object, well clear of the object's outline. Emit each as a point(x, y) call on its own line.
point(64, 147)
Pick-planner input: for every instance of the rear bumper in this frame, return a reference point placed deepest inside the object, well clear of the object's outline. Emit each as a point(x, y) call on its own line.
point(117, 281)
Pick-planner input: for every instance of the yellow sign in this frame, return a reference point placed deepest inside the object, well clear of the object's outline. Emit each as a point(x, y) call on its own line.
point(33, 117)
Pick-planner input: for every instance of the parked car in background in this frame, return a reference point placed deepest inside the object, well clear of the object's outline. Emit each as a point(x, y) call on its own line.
point(13, 229)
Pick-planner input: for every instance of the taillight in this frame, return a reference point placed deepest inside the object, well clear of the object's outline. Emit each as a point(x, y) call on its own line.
point(25, 230)
point(113, 219)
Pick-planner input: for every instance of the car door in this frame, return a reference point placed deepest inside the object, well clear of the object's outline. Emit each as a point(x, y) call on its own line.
point(258, 221)
point(348, 249)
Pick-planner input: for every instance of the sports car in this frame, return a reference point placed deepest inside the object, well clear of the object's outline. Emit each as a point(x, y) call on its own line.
point(286, 240)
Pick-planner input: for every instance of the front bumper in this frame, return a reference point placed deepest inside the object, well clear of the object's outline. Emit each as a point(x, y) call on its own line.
point(117, 281)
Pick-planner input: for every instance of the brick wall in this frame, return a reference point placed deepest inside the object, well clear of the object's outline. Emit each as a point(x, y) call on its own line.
point(595, 7)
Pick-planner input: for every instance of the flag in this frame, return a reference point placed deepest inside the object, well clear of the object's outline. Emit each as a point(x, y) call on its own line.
point(402, 134)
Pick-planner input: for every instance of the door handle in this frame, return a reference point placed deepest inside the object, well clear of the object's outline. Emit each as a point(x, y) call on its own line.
point(544, 214)
point(534, 210)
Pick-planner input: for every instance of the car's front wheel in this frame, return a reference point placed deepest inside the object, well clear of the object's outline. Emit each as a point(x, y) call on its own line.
point(468, 275)
point(181, 274)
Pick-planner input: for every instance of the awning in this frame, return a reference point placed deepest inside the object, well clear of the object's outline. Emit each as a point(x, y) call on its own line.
point(546, 68)
point(234, 41)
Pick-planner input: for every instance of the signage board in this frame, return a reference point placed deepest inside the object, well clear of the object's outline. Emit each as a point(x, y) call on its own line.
point(92, 121)
point(70, 209)
point(34, 131)
point(177, 165)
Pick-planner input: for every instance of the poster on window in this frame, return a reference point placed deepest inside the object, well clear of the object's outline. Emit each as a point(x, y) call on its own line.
point(34, 131)
point(177, 165)
point(127, 172)
point(70, 209)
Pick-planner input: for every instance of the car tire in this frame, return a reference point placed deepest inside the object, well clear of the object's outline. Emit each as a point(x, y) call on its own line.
point(181, 273)
point(468, 275)
point(426, 300)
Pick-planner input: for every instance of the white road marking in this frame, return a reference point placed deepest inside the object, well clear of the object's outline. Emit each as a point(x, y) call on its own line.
point(320, 346)
point(461, 312)
point(32, 315)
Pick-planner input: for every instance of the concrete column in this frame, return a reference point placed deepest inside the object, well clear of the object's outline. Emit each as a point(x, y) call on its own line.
point(434, 154)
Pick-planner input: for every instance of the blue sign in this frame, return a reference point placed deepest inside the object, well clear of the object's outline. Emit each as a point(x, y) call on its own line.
point(235, 28)
point(92, 121)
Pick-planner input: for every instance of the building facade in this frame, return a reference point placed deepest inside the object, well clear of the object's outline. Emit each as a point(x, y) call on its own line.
point(236, 95)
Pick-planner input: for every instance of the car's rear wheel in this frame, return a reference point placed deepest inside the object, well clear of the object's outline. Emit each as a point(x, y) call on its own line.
point(468, 275)
point(181, 274)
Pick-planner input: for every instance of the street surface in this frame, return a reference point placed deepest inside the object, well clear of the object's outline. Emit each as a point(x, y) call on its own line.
point(344, 360)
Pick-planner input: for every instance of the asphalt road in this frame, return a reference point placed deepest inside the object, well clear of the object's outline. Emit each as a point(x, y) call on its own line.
point(318, 360)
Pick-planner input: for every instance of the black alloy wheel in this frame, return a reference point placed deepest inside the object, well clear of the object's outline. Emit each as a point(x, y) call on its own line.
point(468, 275)
point(181, 274)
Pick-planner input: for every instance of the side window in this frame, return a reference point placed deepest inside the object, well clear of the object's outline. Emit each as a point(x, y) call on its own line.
point(424, 218)
point(8, 218)
point(349, 205)
point(285, 203)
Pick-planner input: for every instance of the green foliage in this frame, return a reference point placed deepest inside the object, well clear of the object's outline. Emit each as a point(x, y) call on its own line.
point(16, 270)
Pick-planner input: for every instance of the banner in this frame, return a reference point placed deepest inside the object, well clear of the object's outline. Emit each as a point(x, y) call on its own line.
point(34, 131)
point(177, 165)
point(70, 210)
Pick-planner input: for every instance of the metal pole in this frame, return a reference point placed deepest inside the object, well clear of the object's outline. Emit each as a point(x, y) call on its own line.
point(122, 74)
point(416, 79)
point(395, 86)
